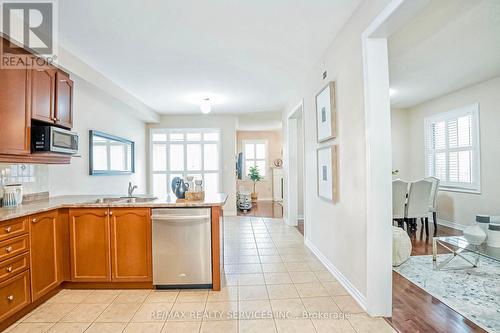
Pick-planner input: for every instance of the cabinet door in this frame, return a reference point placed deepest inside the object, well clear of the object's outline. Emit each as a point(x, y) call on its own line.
point(64, 100)
point(131, 244)
point(14, 112)
point(89, 244)
point(43, 84)
point(43, 253)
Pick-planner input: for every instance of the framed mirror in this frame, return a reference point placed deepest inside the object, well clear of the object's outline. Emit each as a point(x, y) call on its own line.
point(110, 155)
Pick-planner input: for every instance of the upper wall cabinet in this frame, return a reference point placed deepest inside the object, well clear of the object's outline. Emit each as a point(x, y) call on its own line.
point(64, 100)
point(43, 85)
point(14, 112)
point(52, 97)
point(26, 93)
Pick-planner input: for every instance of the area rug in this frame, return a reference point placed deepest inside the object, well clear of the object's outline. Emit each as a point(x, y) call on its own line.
point(472, 292)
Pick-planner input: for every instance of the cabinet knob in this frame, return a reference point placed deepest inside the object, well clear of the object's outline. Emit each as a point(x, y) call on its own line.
point(8, 249)
point(8, 269)
point(110, 213)
point(10, 298)
point(8, 229)
point(34, 220)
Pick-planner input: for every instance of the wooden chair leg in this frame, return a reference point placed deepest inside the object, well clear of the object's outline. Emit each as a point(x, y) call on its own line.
point(427, 226)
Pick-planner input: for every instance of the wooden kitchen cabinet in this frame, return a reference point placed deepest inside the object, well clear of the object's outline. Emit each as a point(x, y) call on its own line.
point(14, 112)
point(52, 97)
point(64, 100)
point(42, 94)
point(89, 245)
point(43, 85)
point(44, 261)
point(14, 295)
point(130, 244)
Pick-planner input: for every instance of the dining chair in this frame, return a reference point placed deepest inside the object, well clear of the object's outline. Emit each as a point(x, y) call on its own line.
point(418, 203)
point(433, 200)
point(399, 193)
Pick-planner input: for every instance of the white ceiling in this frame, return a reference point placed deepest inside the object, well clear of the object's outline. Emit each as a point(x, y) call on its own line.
point(450, 45)
point(246, 55)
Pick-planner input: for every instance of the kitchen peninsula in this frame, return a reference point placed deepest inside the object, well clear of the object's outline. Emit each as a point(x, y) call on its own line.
point(87, 242)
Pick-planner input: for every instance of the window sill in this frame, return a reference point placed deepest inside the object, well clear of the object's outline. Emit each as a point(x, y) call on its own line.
point(459, 190)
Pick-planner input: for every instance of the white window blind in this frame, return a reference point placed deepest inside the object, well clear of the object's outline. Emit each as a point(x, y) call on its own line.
point(452, 148)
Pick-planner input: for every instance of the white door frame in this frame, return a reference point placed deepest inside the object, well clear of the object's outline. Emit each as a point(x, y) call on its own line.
point(379, 152)
point(291, 169)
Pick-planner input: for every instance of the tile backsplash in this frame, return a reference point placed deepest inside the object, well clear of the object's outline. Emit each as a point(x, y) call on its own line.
point(33, 177)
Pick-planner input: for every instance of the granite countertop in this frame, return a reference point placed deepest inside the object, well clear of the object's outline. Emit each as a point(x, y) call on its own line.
point(89, 201)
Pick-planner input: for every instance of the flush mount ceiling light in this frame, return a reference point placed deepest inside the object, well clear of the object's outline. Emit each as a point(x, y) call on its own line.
point(204, 100)
point(206, 106)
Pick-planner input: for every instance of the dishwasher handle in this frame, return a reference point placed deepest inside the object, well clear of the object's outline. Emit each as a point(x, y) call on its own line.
point(179, 218)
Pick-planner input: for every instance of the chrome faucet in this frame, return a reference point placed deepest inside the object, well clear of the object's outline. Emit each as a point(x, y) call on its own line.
point(131, 189)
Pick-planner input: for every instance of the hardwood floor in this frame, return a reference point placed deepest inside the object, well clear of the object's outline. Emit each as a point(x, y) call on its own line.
point(300, 227)
point(414, 310)
point(271, 209)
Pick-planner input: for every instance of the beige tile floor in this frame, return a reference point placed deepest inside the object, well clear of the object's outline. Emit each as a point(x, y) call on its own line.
point(272, 283)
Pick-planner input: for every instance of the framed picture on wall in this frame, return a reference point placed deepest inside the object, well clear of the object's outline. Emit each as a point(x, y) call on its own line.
point(326, 109)
point(328, 173)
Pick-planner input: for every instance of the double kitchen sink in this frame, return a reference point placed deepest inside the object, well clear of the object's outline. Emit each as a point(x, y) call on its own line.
point(123, 200)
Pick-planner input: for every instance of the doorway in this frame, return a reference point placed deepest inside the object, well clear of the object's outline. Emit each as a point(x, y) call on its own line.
point(295, 168)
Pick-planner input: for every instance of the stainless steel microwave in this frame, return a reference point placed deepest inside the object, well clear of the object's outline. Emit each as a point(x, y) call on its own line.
point(53, 139)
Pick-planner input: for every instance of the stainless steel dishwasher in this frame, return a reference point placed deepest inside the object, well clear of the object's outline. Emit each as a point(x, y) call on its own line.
point(182, 251)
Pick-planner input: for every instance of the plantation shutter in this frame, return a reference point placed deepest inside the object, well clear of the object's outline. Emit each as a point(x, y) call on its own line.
point(452, 148)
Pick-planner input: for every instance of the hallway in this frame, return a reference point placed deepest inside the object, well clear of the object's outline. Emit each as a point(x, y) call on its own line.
point(276, 273)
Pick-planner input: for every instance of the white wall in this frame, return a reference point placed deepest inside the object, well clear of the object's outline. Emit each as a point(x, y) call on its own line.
point(461, 208)
point(338, 231)
point(96, 110)
point(228, 125)
point(259, 121)
point(400, 142)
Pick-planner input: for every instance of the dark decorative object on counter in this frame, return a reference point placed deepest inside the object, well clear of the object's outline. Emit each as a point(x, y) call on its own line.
point(179, 187)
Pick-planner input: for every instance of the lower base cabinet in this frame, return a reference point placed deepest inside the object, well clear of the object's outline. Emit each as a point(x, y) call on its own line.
point(110, 245)
point(131, 245)
point(44, 253)
point(89, 245)
point(14, 294)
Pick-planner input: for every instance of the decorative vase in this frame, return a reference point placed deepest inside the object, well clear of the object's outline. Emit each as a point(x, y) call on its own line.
point(475, 235)
point(254, 196)
point(179, 187)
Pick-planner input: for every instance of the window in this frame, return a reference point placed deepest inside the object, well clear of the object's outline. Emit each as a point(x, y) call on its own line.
point(452, 151)
point(182, 153)
point(255, 154)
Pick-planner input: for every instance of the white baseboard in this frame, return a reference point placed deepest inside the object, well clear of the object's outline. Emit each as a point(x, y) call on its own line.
point(351, 289)
point(228, 212)
point(451, 224)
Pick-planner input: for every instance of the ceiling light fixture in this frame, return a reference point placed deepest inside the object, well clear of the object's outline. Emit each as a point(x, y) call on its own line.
point(205, 106)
